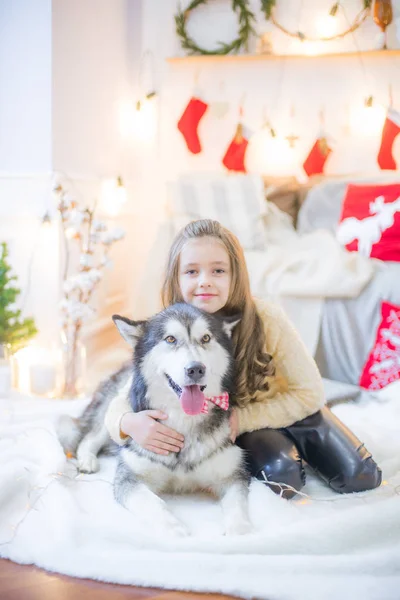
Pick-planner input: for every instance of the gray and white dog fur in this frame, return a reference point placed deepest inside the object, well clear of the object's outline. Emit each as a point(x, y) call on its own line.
point(209, 460)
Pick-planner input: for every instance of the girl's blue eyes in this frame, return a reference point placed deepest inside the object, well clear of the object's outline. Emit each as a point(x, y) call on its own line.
point(193, 272)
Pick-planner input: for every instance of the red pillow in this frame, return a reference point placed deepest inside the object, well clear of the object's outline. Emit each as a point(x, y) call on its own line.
point(383, 363)
point(370, 221)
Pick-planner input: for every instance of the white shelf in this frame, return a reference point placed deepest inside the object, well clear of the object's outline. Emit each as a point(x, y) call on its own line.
point(215, 58)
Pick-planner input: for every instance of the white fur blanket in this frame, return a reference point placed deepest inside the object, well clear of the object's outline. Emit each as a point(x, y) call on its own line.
point(324, 546)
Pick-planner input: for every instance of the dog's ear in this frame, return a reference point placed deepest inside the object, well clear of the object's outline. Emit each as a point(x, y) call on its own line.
point(228, 323)
point(130, 330)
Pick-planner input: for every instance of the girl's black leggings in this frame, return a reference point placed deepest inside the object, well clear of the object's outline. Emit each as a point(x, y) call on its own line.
point(324, 442)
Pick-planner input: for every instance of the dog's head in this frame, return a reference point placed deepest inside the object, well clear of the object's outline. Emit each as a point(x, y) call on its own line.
point(184, 352)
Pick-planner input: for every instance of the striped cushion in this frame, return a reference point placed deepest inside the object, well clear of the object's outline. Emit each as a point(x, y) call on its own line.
point(237, 201)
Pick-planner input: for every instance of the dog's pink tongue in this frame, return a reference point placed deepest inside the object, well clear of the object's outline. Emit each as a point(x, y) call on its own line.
point(192, 399)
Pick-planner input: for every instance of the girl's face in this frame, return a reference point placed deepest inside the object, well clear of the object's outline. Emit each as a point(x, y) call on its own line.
point(205, 274)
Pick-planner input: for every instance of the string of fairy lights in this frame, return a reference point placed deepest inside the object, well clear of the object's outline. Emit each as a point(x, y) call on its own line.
point(307, 499)
point(329, 24)
point(32, 505)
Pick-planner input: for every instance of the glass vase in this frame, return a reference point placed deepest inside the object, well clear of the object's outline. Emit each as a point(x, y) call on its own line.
point(5, 371)
point(73, 361)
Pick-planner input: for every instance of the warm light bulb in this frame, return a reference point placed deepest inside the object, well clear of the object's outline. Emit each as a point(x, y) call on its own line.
point(29, 358)
point(310, 48)
point(144, 121)
point(367, 119)
point(23, 359)
point(267, 128)
point(270, 155)
point(120, 192)
point(113, 196)
point(138, 119)
point(327, 25)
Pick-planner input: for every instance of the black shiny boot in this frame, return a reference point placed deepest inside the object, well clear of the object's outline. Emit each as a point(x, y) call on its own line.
point(335, 453)
point(273, 457)
point(324, 442)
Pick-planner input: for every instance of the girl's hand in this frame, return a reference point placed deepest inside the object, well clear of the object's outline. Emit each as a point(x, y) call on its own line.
point(143, 428)
point(234, 424)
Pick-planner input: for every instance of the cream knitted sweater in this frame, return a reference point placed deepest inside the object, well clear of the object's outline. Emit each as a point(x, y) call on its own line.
point(296, 391)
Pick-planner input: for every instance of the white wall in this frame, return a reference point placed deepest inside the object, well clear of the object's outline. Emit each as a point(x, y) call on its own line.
point(91, 81)
point(97, 77)
point(25, 85)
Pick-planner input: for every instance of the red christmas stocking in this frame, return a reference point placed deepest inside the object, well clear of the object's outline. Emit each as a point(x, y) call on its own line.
point(189, 122)
point(390, 131)
point(234, 156)
point(316, 159)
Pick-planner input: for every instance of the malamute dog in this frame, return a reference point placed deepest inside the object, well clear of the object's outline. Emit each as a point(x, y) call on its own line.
point(182, 365)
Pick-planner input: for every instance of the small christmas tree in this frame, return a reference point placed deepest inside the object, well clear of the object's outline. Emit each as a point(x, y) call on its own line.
point(13, 332)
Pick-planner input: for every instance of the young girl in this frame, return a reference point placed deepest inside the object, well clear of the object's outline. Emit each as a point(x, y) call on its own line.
point(279, 416)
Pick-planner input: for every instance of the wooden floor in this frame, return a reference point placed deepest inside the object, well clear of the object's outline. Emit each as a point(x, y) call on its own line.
point(18, 582)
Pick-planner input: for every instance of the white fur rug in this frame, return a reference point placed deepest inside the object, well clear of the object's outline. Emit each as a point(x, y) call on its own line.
point(326, 546)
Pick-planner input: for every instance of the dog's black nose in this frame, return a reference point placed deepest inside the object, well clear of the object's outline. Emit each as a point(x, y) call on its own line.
point(195, 371)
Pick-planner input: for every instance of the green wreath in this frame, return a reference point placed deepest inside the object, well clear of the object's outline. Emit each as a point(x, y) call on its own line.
point(246, 17)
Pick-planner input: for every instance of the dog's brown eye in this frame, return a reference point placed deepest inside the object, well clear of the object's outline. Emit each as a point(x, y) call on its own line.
point(170, 339)
point(205, 339)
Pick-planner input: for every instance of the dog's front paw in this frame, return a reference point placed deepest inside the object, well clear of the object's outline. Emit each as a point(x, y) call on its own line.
point(88, 464)
point(238, 527)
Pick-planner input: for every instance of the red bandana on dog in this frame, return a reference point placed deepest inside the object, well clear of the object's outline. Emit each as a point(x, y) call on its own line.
point(221, 401)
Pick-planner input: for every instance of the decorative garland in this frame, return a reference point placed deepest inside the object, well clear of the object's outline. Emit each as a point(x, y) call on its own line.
point(267, 7)
point(246, 17)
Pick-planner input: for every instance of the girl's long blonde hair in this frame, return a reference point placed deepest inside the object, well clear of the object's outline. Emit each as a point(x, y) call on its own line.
point(253, 365)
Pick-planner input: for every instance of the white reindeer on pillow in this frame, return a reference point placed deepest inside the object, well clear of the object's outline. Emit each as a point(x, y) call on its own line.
point(368, 231)
point(388, 358)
